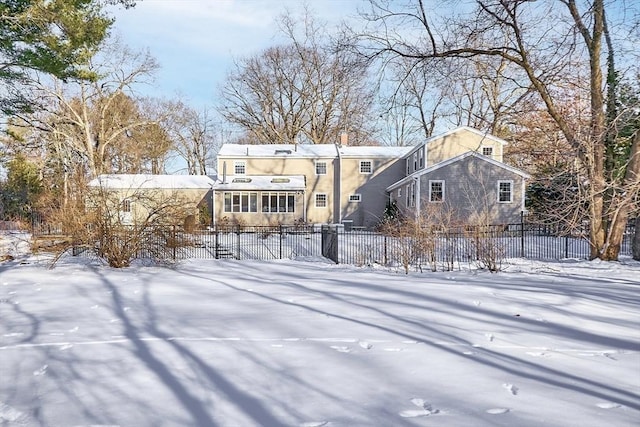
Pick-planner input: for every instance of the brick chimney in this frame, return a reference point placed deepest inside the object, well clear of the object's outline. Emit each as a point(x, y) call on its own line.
point(344, 138)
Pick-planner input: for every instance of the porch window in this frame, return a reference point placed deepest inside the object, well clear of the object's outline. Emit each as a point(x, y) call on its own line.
point(235, 201)
point(278, 202)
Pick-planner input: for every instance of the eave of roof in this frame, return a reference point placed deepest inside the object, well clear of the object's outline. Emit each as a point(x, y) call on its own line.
point(455, 159)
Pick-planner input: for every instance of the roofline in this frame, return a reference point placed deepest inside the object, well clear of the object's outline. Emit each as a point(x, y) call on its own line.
point(454, 160)
point(452, 131)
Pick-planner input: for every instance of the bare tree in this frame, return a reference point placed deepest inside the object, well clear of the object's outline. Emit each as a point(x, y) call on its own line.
point(309, 90)
point(95, 120)
point(551, 43)
point(196, 136)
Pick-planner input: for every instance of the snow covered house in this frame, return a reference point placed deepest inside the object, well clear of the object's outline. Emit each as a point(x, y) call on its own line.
point(461, 170)
point(136, 197)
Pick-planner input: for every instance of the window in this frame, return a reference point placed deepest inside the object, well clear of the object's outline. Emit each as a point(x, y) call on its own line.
point(400, 192)
point(415, 161)
point(355, 198)
point(408, 171)
point(421, 158)
point(436, 191)
point(240, 202)
point(278, 202)
point(321, 168)
point(321, 200)
point(240, 168)
point(366, 166)
point(487, 151)
point(505, 191)
point(241, 180)
point(411, 195)
point(126, 206)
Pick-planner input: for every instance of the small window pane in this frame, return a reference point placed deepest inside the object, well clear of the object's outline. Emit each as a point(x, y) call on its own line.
point(366, 166)
point(321, 168)
point(321, 200)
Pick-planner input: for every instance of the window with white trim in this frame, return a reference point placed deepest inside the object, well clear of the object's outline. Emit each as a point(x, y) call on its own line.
point(399, 192)
point(126, 206)
point(278, 202)
point(505, 191)
point(487, 151)
point(436, 191)
point(411, 195)
point(421, 157)
point(366, 166)
point(320, 200)
point(321, 168)
point(240, 168)
point(238, 201)
point(355, 198)
point(415, 161)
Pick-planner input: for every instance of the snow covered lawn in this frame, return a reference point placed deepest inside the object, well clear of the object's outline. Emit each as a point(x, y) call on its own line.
point(295, 343)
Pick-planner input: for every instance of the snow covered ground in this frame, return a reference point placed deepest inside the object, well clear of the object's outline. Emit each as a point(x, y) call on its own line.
point(311, 343)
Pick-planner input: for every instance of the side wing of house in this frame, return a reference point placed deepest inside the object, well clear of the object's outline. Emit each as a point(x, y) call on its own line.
point(471, 188)
point(134, 199)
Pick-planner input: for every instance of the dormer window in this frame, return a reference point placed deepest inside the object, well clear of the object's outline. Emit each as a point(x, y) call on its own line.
point(241, 180)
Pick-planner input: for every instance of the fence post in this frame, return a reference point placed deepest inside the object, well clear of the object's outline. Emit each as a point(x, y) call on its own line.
point(216, 243)
point(281, 237)
point(566, 246)
point(173, 237)
point(522, 253)
point(386, 261)
point(237, 242)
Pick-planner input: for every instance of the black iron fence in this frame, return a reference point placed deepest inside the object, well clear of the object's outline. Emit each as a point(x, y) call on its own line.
point(435, 248)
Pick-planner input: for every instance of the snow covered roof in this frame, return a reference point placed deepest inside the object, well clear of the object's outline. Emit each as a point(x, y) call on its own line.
point(278, 150)
point(126, 181)
point(310, 151)
point(262, 182)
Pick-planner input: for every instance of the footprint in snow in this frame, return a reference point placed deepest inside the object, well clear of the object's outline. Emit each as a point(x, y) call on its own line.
point(40, 371)
point(511, 389)
point(424, 409)
point(608, 405)
point(497, 411)
point(365, 345)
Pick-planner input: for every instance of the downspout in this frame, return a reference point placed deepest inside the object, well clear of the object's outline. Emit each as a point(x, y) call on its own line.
point(337, 203)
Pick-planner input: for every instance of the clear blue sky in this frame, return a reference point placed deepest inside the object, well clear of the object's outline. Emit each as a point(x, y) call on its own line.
point(195, 41)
